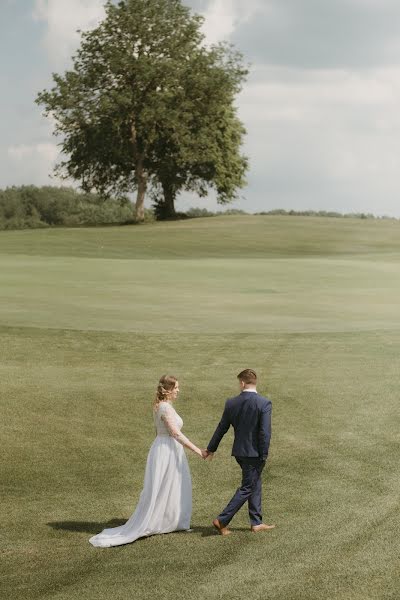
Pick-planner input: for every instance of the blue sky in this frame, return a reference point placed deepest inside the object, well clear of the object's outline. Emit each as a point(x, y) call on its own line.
point(321, 105)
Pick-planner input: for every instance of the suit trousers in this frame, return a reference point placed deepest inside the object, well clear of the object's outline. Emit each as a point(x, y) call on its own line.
point(250, 490)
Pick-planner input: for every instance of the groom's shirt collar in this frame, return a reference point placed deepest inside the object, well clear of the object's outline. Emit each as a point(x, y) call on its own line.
point(255, 391)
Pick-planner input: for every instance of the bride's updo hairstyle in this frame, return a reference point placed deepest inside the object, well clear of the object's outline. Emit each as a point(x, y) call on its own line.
point(164, 389)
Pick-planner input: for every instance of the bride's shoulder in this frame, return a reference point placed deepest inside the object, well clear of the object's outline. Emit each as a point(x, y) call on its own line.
point(163, 406)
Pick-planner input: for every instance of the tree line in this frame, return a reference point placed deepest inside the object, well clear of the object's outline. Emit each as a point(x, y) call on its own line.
point(203, 212)
point(29, 206)
point(34, 207)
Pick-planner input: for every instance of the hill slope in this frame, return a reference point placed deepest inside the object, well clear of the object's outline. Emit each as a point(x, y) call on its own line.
point(241, 236)
point(90, 319)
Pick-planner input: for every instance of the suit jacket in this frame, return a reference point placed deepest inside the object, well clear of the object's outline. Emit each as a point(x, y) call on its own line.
point(250, 415)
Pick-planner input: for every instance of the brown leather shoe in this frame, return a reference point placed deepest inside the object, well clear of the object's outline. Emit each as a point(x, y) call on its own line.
point(220, 528)
point(261, 527)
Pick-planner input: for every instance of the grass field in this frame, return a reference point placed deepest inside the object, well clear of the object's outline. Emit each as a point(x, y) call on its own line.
point(89, 320)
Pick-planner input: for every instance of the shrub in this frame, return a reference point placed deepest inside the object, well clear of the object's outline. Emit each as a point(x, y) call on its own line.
point(30, 207)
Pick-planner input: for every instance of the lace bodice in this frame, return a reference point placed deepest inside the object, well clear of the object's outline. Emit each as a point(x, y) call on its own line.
point(167, 420)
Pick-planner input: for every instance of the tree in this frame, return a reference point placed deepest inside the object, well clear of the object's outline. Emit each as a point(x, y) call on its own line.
point(147, 103)
point(202, 136)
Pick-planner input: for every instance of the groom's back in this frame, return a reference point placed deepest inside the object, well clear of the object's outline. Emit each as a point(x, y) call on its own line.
point(247, 414)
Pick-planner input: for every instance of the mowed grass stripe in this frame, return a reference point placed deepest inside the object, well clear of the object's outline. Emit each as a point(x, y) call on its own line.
point(194, 295)
point(77, 426)
point(89, 320)
point(241, 236)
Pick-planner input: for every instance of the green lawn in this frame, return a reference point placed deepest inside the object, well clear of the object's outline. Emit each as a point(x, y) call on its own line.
point(89, 320)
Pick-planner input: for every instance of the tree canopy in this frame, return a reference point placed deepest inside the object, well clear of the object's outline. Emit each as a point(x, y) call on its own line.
point(147, 105)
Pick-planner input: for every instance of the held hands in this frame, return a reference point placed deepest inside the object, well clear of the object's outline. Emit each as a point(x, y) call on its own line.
point(206, 454)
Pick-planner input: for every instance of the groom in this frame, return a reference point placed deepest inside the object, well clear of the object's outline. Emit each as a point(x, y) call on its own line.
point(250, 415)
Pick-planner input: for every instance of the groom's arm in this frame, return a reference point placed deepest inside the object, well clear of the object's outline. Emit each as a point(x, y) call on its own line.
point(265, 429)
point(220, 431)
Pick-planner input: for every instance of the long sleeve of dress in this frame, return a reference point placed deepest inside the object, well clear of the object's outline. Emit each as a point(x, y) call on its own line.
point(168, 416)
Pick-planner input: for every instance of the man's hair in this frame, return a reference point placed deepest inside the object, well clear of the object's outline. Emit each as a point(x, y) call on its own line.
point(248, 376)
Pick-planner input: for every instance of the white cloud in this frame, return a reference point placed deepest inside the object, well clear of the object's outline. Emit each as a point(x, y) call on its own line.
point(223, 17)
point(324, 138)
point(320, 107)
point(32, 164)
point(63, 18)
point(46, 151)
point(354, 34)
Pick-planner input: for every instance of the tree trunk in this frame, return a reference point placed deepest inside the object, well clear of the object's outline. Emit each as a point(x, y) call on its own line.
point(140, 174)
point(169, 201)
point(141, 178)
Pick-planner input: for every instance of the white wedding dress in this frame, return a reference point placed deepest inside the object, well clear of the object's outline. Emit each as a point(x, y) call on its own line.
point(165, 503)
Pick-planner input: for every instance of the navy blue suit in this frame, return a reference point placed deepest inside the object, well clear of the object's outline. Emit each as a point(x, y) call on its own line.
point(250, 415)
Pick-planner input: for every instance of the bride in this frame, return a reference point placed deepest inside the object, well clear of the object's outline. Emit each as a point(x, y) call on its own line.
point(165, 503)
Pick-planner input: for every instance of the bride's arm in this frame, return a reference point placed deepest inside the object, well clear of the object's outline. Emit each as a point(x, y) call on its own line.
point(176, 433)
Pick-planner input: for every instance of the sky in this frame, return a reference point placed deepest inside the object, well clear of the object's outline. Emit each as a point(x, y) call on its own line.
point(321, 104)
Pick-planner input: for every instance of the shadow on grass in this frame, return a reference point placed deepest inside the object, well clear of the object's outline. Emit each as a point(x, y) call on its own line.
point(210, 531)
point(96, 527)
point(87, 526)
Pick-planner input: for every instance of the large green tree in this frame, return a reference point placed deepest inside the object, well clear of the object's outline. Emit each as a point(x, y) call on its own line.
point(202, 135)
point(147, 103)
